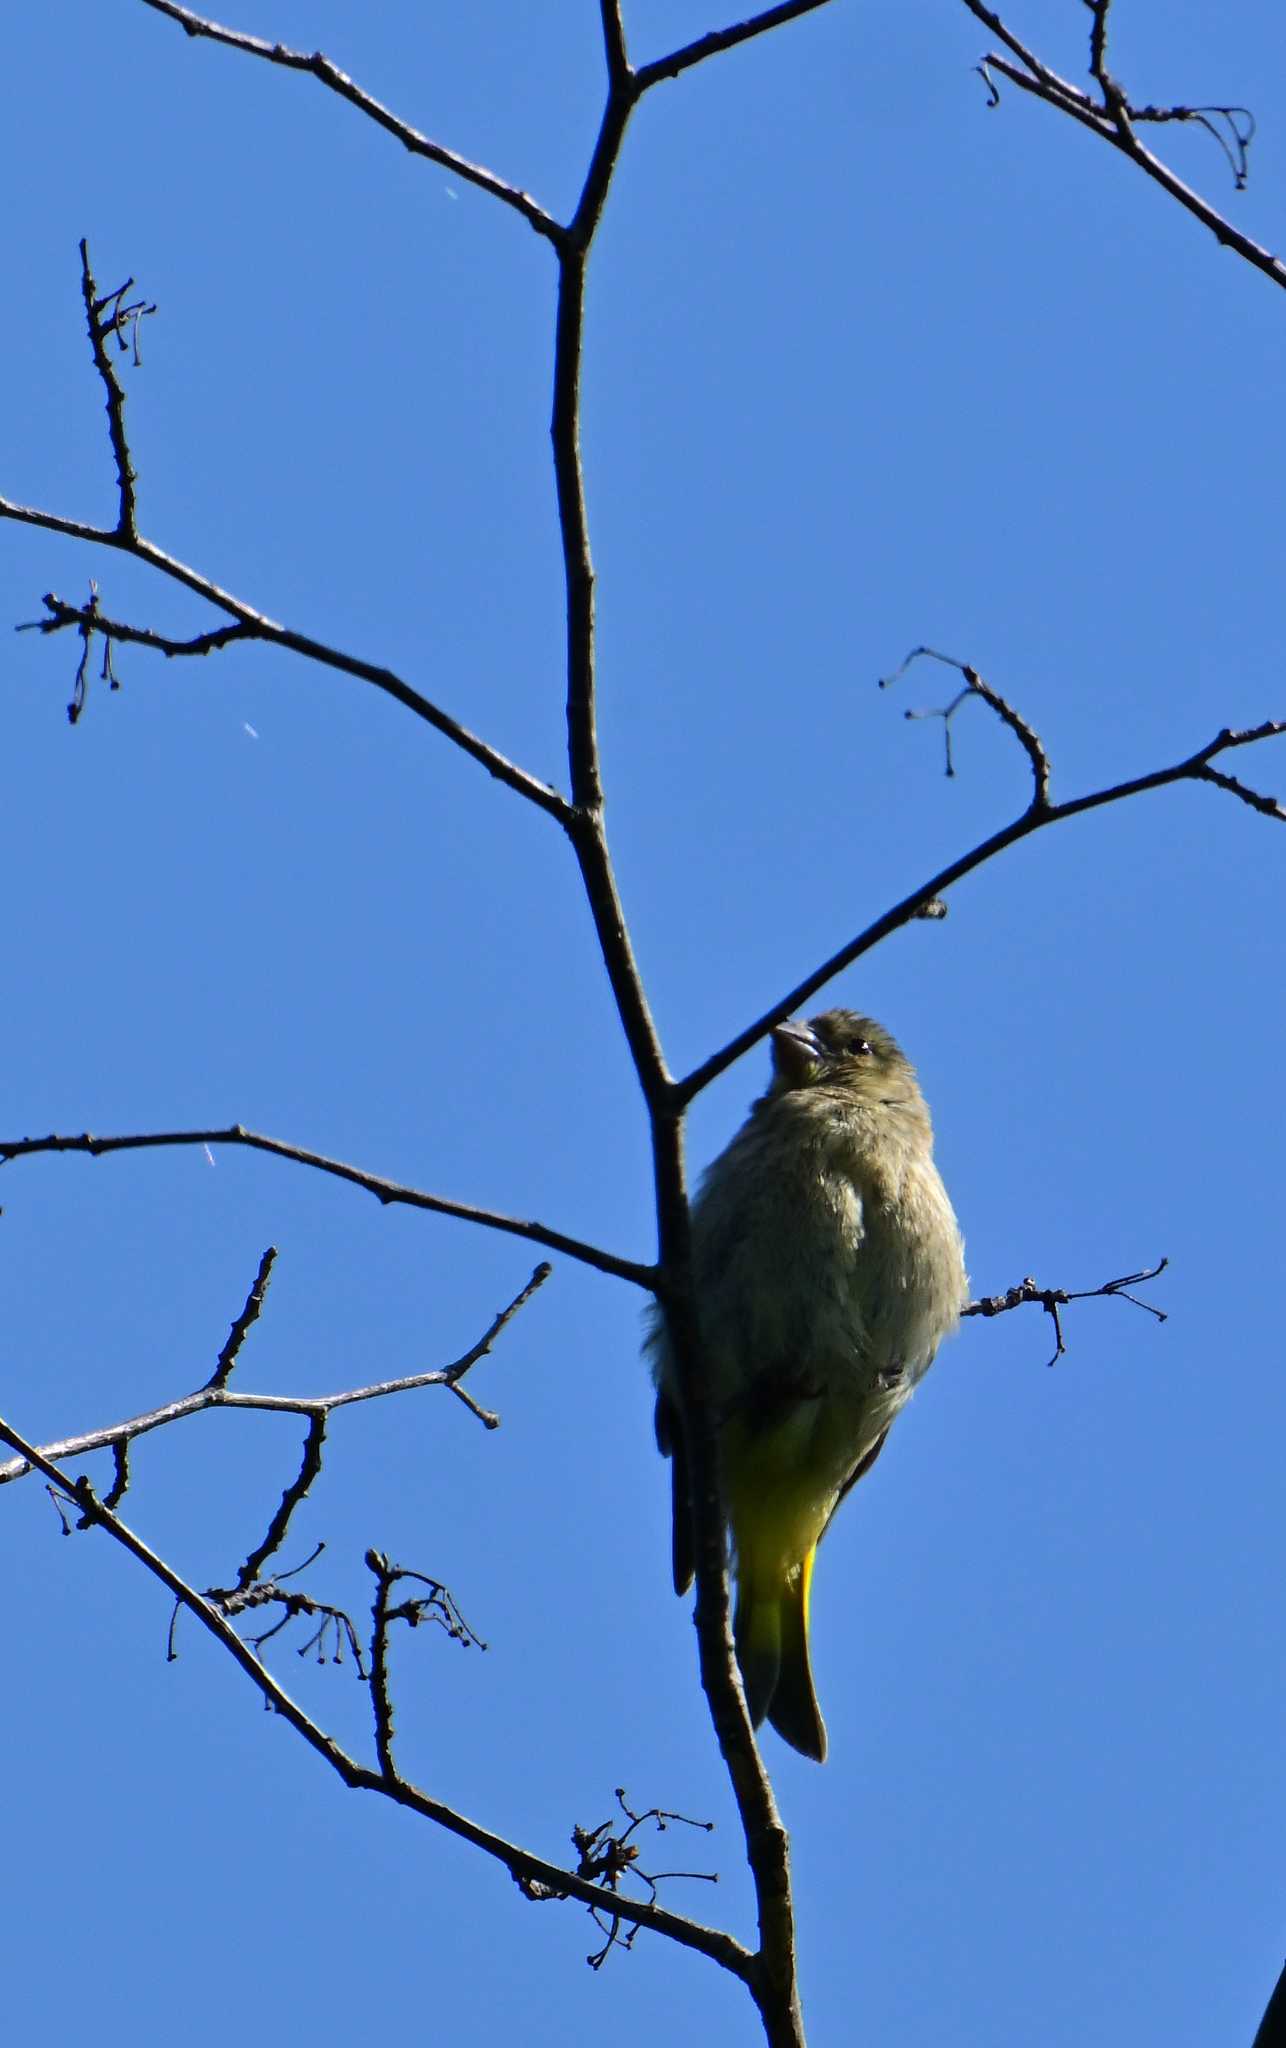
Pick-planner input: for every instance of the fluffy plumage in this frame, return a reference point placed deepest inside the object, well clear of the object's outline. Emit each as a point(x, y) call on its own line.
point(829, 1266)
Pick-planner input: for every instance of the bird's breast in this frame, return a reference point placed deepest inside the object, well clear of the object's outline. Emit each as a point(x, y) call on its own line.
point(829, 1277)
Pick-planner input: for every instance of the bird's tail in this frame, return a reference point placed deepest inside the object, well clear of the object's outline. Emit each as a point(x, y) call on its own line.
point(770, 1629)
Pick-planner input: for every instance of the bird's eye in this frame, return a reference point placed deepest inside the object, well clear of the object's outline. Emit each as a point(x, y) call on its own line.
point(861, 1046)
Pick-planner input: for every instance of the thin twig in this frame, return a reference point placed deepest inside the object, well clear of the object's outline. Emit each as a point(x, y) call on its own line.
point(453, 1375)
point(1195, 767)
point(248, 1316)
point(309, 1469)
point(331, 1624)
point(721, 39)
point(1023, 54)
point(254, 625)
point(62, 615)
point(1114, 121)
point(99, 330)
point(609, 1856)
point(120, 1481)
point(337, 81)
point(381, 1698)
point(1099, 11)
point(1029, 740)
point(116, 1435)
point(1053, 1299)
point(1233, 138)
point(435, 1606)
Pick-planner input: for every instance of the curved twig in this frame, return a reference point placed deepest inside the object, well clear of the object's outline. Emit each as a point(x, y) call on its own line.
point(1054, 1299)
point(1195, 767)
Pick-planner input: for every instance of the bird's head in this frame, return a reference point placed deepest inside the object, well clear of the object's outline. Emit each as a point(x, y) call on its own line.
point(843, 1051)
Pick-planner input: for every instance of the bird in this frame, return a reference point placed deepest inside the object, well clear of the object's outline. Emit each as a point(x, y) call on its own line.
point(828, 1267)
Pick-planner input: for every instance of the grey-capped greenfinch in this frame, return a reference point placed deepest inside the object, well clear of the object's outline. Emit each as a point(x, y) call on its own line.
point(828, 1267)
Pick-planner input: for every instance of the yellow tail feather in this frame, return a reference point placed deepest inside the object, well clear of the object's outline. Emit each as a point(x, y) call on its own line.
point(770, 1629)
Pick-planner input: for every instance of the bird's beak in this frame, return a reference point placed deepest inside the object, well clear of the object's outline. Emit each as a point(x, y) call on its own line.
point(796, 1050)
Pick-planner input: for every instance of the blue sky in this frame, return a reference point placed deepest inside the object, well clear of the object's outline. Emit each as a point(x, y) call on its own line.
point(867, 365)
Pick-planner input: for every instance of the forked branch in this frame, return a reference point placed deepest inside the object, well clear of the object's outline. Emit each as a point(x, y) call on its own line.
point(1039, 814)
point(1054, 1299)
point(1115, 119)
point(522, 1865)
point(315, 1408)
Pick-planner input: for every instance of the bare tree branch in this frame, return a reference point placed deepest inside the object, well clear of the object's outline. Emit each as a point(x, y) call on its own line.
point(586, 827)
point(708, 1941)
point(215, 1393)
point(245, 1321)
point(310, 1465)
point(253, 625)
point(330, 75)
point(435, 1605)
point(1099, 11)
point(775, 1989)
point(88, 619)
point(1114, 120)
point(721, 39)
point(771, 1973)
point(1039, 813)
point(1028, 739)
point(332, 1628)
point(609, 1855)
point(108, 318)
point(773, 1980)
point(125, 537)
point(1055, 1299)
point(386, 1191)
point(1231, 128)
point(120, 1480)
point(614, 50)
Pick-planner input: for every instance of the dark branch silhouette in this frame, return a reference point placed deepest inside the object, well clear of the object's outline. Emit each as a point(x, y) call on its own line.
point(95, 1514)
point(1271, 2031)
point(1116, 120)
point(390, 1192)
point(1040, 813)
point(251, 624)
point(337, 81)
point(1054, 1299)
point(316, 1408)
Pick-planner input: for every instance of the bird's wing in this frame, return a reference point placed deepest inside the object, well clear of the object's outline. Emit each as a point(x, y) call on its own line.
point(670, 1442)
point(859, 1471)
